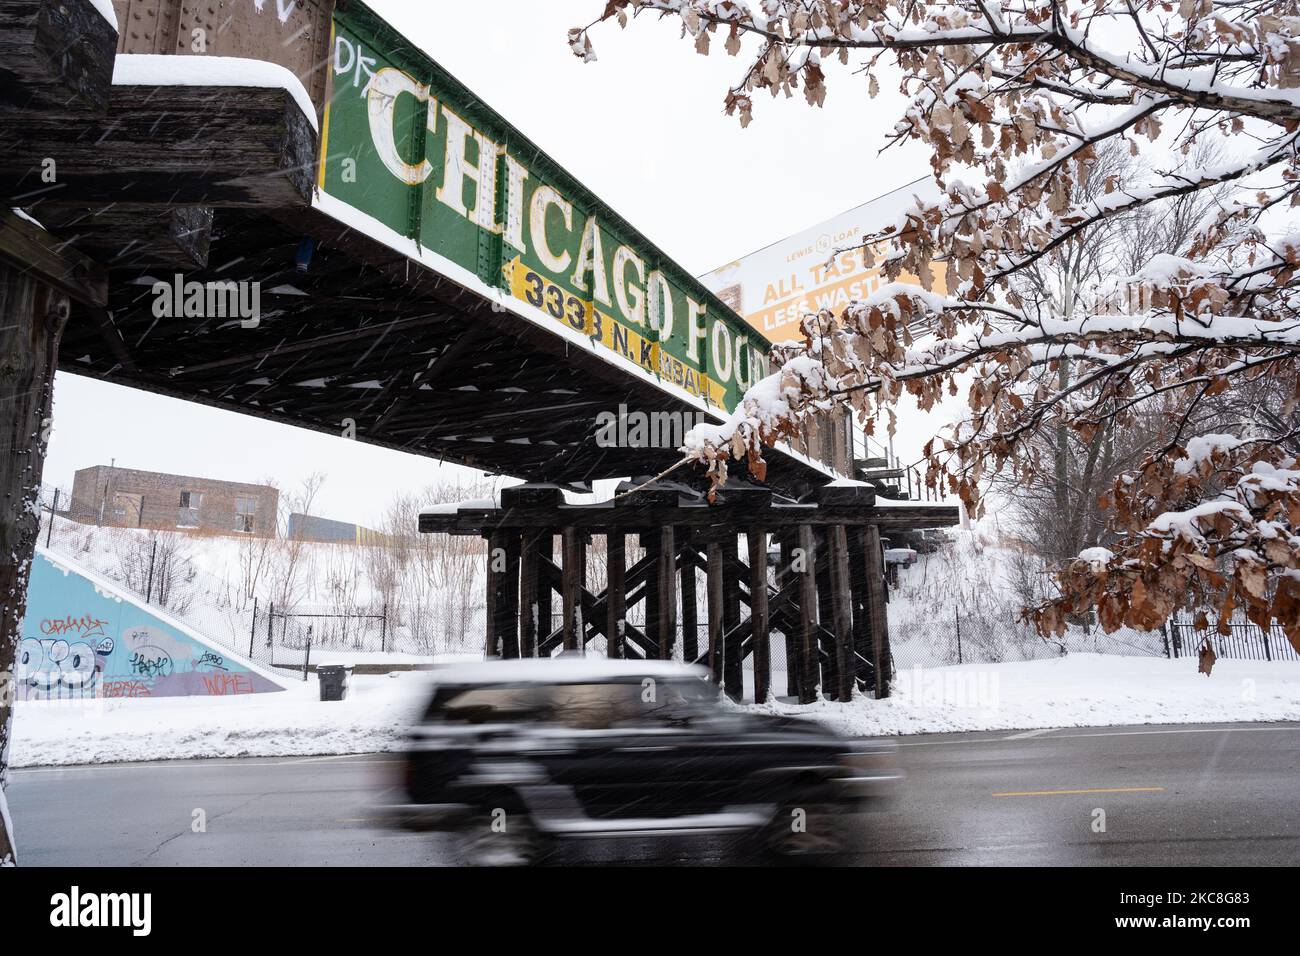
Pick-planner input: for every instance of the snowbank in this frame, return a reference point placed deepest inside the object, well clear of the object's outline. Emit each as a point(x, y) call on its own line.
point(295, 723)
point(1081, 690)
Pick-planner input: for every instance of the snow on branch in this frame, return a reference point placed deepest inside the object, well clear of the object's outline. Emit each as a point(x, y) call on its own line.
point(1109, 250)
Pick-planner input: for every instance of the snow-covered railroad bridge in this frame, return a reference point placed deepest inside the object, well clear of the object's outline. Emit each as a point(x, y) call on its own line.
point(286, 209)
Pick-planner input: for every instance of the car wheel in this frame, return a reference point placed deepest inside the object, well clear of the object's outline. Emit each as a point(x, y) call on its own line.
point(805, 835)
point(517, 844)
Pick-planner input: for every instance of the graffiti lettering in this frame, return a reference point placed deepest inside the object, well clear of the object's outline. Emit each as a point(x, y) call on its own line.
point(47, 667)
point(211, 660)
point(221, 685)
point(126, 688)
point(156, 664)
point(85, 625)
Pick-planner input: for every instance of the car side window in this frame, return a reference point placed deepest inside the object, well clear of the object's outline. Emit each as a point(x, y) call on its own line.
point(592, 706)
point(481, 705)
point(627, 705)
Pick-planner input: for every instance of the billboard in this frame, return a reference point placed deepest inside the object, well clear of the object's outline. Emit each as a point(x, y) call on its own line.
point(408, 145)
point(776, 286)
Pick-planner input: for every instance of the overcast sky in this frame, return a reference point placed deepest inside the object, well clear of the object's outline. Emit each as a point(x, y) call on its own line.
point(643, 128)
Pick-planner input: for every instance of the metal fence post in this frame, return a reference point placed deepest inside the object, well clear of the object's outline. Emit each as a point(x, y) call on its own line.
point(153, 555)
point(383, 630)
point(1168, 646)
point(956, 613)
point(49, 532)
point(306, 660)
point(252, 630)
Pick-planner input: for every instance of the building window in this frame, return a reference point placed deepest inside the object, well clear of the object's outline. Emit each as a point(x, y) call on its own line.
point(189, 511)
point(245, 513)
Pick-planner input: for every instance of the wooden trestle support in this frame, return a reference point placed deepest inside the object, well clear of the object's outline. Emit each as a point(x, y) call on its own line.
point(825, 593)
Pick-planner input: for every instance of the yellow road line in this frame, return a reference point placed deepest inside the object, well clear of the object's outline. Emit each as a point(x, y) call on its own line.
point(1053, 793)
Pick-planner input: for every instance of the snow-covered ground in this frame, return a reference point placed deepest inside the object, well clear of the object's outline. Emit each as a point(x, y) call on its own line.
point(1079, 690)
point(296, 722)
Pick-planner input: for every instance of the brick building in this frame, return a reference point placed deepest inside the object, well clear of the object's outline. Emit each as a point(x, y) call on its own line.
point(125, 498)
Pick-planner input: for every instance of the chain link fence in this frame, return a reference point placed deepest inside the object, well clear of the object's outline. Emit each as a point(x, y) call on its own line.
point(414, 600)
point(404, 603)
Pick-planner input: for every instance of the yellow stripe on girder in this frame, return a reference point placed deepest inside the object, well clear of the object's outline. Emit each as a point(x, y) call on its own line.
point(515, 273)
point(325, 120)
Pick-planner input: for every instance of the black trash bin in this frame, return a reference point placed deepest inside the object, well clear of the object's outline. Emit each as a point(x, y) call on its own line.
point(333, 681)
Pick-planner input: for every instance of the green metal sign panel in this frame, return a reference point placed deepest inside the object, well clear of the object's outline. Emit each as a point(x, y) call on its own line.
point(407, 144)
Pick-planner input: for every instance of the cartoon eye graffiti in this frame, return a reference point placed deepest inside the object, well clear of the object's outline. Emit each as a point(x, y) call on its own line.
point(46, 665)
point(32, 668)
point(77, 666)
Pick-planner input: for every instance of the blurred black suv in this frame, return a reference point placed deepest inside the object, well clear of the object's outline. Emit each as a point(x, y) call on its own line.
point(513, 756)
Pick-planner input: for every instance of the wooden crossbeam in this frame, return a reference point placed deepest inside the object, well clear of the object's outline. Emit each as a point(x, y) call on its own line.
point(594, 610)
point(31, 249)
point(258, 150)
point(604, 517)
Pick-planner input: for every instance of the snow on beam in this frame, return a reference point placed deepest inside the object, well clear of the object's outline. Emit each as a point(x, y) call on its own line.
point(197, 137)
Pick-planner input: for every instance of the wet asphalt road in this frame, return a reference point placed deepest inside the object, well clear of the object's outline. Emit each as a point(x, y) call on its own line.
point(1187, 795)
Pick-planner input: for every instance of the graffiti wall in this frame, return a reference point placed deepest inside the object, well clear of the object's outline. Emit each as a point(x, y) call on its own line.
point(84, 638)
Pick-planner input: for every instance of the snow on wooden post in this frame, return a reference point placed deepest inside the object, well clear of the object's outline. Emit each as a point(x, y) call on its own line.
point(758, 615)
point(574, 546)
point(714, 573)
point(830, 670)
point(877, 613)
point(860, 597)
point(615, 592)
point(690, 607)
point(35, 302)
point(667, 592)
point(808, 664)
point(841, 611)
point(786, 540)
point(544, 557)
point(502, 595)
point(528, 585)
point(733, 664)
point(650, 544)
